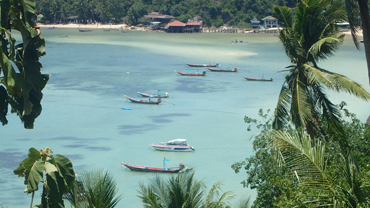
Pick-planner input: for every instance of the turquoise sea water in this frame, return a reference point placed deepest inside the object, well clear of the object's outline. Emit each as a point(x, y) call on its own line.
point(91, 72)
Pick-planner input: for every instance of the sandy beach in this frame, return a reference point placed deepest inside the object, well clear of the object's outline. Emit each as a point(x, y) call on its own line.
point(124, 26)
point(92, 26)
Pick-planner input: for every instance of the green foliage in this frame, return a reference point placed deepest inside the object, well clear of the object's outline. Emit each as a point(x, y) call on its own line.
point(357, 137)
point(22, 81)
point(307, 158)
point(274, 185)
point(281, 183)
point(54, 171)
point(182, 191)
point(214, 13)
point(95, 187)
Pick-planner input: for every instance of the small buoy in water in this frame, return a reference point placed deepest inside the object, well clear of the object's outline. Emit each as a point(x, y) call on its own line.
point(128, 72)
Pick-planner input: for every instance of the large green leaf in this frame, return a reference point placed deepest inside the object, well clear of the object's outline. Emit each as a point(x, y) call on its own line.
point(28, 7)
point(10, 75)
point(26, 165)
point(35, 176)
point(56, 187)
point(65, 169)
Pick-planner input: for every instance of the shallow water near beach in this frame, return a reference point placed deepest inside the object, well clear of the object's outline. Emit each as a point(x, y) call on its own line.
point(91, 72)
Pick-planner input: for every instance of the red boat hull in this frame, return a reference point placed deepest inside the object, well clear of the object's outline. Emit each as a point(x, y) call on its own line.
point(151, 169)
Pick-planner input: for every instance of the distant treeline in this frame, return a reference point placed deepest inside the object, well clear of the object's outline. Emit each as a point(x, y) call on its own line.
point(212, 12)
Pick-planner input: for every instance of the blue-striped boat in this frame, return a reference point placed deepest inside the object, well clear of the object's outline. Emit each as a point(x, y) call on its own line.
point(166, 95)
point(177, 145)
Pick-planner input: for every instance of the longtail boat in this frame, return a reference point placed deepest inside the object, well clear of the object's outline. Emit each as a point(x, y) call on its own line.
point(154, 169)
point(191, 73)
point(222, 69)
point(202, 65)
point(85, 30)
point(257, 79)
point(143, 101)
point(166, 95)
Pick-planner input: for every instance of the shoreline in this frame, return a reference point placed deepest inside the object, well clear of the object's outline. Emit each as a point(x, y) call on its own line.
point(125, 27)
point(91, 26)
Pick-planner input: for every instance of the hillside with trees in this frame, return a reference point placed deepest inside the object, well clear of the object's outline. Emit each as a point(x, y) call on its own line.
point(236, 13)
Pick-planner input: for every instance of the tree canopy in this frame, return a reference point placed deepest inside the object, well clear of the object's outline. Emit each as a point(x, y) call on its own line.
point(216, 13)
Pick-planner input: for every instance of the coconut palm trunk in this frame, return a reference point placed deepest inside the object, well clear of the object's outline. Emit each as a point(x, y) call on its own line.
point(365, 18)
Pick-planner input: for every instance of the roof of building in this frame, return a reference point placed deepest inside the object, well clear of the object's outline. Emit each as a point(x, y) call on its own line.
point(194, 23)
point(159, 15)
point(176, 24)
point(269, 18)
point(255, 20)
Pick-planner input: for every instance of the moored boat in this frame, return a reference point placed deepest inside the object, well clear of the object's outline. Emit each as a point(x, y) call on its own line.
point(177, 145)
point(85, 30)
point(166, 95)
point(143, 101)
point(222, 69)
point(154, 169)
point(191, 73)
point(257, 79)
point(202, 65)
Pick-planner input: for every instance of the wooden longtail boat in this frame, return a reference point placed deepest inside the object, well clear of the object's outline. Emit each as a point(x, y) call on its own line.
point(202, 65)
point(222, 70)
point(85, 30)
point(154, 169)
point(257, 79)
point(191, 73)
point(166, 95)
point(143, 101)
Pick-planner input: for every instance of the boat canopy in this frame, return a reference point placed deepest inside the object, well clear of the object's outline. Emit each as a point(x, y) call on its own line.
point(177, 141)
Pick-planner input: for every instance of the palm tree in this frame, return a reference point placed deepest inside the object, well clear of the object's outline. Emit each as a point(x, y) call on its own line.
point(310, 36)
point(352, 7)
point(182, 191)
point(306, 158)
point(95, 187)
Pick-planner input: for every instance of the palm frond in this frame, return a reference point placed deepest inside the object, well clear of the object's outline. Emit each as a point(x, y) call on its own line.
point(284, 14)
point(244, 203)
point(282, 108)
point(159, 187)
point(325, 47)
point(335, 81)
point(214, 200)
point(148, 197)
point(329, 111)
point(352, 173)
point(101, 188)
point(305, 156)
point(291, 44)
point(301, 108)
point(335, 12)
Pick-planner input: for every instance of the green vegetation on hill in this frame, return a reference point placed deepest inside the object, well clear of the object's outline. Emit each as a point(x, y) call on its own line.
point(213, 13)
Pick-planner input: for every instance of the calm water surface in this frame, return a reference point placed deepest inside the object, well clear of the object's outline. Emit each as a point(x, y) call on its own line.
point(91, 72)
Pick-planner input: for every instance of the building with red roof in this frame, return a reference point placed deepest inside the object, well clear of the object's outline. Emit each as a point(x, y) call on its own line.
point(179, 27)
